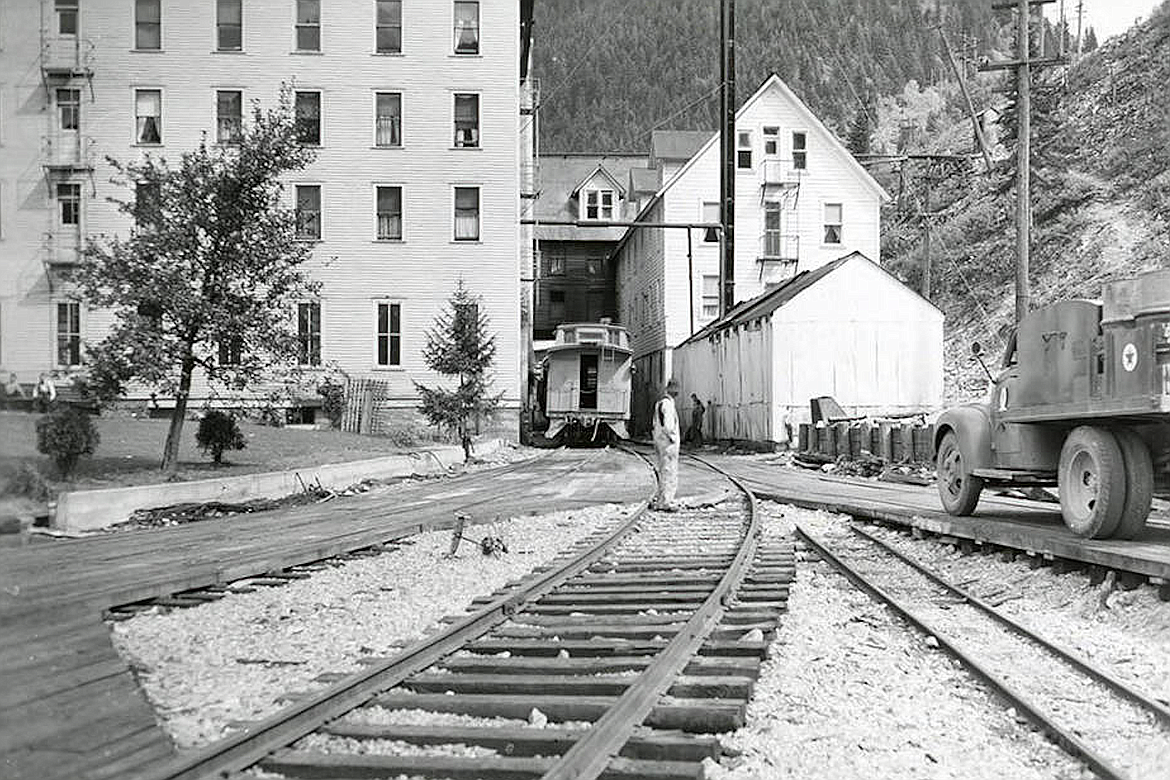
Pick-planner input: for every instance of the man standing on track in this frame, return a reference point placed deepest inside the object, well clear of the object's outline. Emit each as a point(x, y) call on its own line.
point(666, 440)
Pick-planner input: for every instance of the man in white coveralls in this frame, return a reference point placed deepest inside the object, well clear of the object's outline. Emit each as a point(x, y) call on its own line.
point(666, 440)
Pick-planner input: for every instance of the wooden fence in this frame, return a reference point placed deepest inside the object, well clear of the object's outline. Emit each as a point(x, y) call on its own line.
point(363, 398)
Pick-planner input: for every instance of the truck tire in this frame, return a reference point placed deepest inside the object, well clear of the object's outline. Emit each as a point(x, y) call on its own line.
point(957, 489)
point(1092, 482)
point(1139, 484)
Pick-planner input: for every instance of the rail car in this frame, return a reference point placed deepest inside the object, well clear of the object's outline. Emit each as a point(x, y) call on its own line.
point(587, 373)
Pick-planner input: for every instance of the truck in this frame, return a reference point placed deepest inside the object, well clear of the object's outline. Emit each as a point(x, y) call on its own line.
point(1081, 402)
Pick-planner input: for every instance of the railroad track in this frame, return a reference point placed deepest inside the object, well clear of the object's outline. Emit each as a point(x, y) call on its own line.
point(1115, 729)
point(622, 658)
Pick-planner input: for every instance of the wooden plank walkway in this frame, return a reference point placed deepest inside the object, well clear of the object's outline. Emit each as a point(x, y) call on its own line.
point(1026, 525)
point(69, 705)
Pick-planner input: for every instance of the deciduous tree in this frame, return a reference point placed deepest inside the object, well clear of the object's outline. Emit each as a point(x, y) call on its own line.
point(205, 279)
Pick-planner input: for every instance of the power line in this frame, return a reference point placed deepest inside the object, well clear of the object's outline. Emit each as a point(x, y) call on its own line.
point(580, 61)
point(705, 96)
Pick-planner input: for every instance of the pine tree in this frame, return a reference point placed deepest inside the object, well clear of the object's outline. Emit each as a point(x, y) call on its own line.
point(460, 345)
point(858, 142)
point(1090, 40)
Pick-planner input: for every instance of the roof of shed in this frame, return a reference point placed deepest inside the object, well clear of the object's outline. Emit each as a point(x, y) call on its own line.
point(644, 180)
point(560, 175)
point(768, 302)
point(677, 144)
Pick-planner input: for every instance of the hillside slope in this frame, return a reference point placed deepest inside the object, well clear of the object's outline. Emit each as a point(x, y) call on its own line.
point(1100, 196)
point(611, 69)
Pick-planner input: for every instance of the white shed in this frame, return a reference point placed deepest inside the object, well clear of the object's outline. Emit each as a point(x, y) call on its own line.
point(847, 329)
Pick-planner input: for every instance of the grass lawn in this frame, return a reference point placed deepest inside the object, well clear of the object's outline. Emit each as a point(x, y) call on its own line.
point(131, 450)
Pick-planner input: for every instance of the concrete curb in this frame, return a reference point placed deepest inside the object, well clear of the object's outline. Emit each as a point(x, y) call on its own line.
point(85, 510)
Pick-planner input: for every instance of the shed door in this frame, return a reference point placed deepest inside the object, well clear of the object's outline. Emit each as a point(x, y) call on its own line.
point(588, 382)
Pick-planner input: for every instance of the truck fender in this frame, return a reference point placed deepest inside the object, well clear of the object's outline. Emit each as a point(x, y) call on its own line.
point(972, 426)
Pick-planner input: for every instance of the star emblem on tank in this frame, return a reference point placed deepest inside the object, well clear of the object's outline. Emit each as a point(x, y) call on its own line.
point(1129, 357)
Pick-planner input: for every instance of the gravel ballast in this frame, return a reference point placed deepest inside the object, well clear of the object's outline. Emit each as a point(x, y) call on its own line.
point(238, 659)
point(849, 691)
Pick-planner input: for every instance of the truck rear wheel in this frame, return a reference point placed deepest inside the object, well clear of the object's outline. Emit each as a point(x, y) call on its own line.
point(1139, 484)
point(958, 490)
point(1092, 482)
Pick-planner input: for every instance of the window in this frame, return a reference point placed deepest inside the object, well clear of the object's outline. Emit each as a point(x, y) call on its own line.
point(229, 116)
point(388, 119)
point(711, 215)
point(309, 334)
point(466, 121)
point(69, 203)
point(231, 351)
point(466, 27)
point(308, 25)
point(799, 151)
point(68, 334)
point(467, 213)
point(772, 241)
point(229, 25)
point(832, 223)
point(389, 211)
point(308, 117)
point(309, 211)
point(771, 141)
point(389, 337)
point(388, 26)
point(147, 24)
point(599, 204)
point(69, 108)
point(556, 262)
point(148, 116)
point(710, 296)
point(67, 13)
point(743, 149)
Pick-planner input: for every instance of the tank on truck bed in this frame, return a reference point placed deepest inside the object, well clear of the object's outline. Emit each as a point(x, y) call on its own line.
point(1082, 402)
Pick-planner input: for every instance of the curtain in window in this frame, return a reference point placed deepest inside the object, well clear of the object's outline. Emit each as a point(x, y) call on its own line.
point(229, 109)
point(711, 216)
point(832, 223)
point(467, 120)
point(390, 212)
point(466, 214)
point(466, 28)
point(388, 119)
point(148, 114)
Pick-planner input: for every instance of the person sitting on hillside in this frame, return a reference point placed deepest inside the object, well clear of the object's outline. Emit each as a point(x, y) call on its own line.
point(44, 393)
point(12, 391)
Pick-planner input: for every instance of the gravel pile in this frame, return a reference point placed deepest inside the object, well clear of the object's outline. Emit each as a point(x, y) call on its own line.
point(850, 692)
point(210, 667)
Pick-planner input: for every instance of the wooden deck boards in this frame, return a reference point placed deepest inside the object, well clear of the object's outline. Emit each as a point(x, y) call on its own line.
point(69, 705)
point(1028, 525)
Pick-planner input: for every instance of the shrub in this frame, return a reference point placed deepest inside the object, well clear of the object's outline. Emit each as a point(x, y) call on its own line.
point(65, 435)
point(218, 431)
point(333, 405)
point(29, 482)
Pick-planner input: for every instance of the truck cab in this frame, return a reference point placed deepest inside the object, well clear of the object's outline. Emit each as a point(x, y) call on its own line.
point(1081, 401)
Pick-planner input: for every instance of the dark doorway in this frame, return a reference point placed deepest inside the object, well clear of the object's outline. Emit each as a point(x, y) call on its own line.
point(588, 382)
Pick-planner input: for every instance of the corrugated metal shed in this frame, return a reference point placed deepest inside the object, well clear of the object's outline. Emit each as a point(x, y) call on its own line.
point(848, 329)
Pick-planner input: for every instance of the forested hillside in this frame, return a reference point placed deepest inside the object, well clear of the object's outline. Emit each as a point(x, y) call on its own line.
point(611, 70)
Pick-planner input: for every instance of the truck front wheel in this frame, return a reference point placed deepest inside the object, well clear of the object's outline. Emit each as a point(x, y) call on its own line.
point(958, 490)
point(1092, 482)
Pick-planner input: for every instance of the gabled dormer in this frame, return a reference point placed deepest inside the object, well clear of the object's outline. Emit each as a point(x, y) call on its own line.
point(599, 196)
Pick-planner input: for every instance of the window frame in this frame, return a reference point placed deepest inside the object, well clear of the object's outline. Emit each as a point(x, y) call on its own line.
point(320, 116)
point(777, 233)
point(599, 192)
point(708, 298)
point(74, 106)
point(298, 25)
point(826, 224)
point(455, 213)
point(710, 235)
point(741, 149)
point(390, 334)
point(320, 236)
point(240, 125)
point(401, 237)
point(401, 119)
point(301, 352)
point(74, 337)
point(139, 25)
point(161, 113)
point(455, 29)
point(377, 26)
point(220, 26)
point(478, 139)
point(802, 150)
point(62, 8)
point(76, 200)
point(230, 353)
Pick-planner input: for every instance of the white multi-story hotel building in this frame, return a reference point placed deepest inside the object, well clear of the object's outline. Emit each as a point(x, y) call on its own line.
point(415, 109)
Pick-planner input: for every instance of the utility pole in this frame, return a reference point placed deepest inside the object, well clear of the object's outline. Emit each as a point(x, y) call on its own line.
point(926, 259)
point(727, 154)
point(1080, 22)
point(1023, 67)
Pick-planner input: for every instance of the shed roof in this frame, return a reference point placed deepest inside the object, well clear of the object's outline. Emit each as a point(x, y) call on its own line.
point(560, 175)
point(644, 181)
point(677, 144)
point(768, 302)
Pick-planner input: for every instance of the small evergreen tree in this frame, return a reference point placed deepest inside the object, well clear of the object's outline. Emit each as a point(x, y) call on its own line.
point(459, 345)
point(65, 435)
point(1090, 40)
point(219, 431)
point(858, 142)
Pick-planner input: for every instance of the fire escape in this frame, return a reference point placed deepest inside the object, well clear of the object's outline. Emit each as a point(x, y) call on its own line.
point(66, 65)
point(779, 252)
